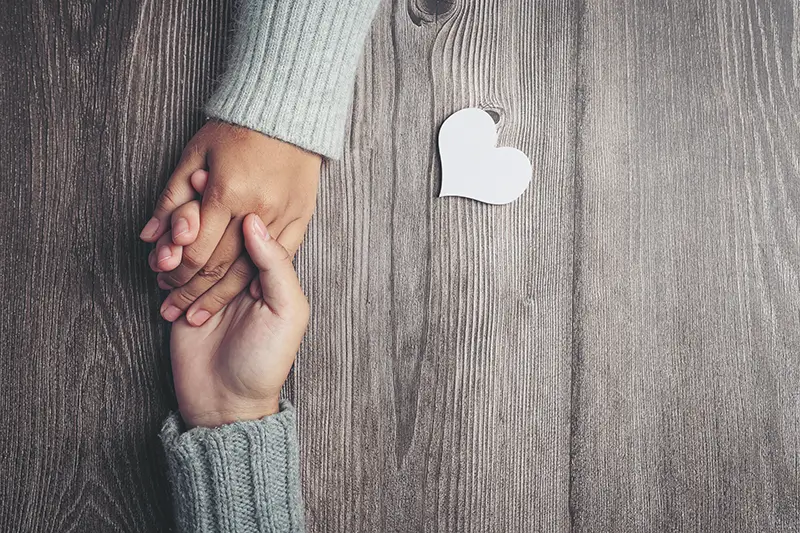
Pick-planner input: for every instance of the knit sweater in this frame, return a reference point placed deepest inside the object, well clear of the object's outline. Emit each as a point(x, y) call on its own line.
point(289, 75)
point(241, 477)
point(291, 69)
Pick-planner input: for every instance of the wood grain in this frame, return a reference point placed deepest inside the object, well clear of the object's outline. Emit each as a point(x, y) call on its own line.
point(686, 409)
point(434, 384)
point(96, 101)
point(618, 350)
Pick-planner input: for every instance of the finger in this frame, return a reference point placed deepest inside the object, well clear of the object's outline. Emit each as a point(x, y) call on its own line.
point(151, 260)
point(279, 284)
point(185, 294)
point(166, 255)
point(255, 288)
point(214, 221)
point(199, 180)
point(186, 223)
point(163, 282)
point(292, 235)
point(236, 279)
point(177, 192)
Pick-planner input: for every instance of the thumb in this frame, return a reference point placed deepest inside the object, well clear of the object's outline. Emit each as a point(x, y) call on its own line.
point(199, 180)
point(280, 287)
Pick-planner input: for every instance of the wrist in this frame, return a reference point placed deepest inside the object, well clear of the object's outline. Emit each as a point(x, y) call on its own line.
point(229, 414)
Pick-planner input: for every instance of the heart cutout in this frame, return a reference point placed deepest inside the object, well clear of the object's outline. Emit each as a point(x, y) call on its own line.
point(472, 164)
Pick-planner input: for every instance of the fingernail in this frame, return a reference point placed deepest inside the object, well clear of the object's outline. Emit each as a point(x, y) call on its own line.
point(199, 318)
point(171, 313)
point(164, 253)
point(181, 226)
point(149, 229)
point(163, 285)
point(261, 229)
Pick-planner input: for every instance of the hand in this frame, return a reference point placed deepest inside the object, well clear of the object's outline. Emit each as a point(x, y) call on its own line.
point(248, 172)
point(233, 366)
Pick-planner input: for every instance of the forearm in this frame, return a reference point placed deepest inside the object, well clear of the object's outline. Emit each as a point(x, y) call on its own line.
point(291, 69)
point(239, 477)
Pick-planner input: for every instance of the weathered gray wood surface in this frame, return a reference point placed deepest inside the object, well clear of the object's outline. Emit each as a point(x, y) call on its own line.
point(96, 102)
point(686, 411)
point(434, 386)
point(618, 350)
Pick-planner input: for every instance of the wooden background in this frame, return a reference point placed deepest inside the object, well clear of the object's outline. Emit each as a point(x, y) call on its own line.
point(618, 350)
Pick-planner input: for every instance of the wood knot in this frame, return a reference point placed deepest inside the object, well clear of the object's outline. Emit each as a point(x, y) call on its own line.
point(495, 112)
point(428, 11)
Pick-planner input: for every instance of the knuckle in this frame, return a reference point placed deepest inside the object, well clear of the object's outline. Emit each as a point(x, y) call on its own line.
point(225, 193)
point(170, 279)
point(175, 279)
point(282, 253)
point(193, 259)
point(212, 273)
point(217, 299)
point(185, 209)
point(190, 151)
point(293, 242)
point(184, 297)
point(167, 200)
point(242, 271)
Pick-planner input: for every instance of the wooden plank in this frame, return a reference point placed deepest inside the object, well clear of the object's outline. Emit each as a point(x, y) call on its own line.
point(96, 100)
point(434, 383)
point(687, 303)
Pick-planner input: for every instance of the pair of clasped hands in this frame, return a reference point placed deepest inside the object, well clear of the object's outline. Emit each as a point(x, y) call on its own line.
point(225, 229)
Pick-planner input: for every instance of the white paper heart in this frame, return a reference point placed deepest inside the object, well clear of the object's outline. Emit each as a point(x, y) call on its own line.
point(473, 166)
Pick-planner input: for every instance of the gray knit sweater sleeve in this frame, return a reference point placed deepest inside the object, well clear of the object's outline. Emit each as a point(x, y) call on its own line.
point(291, 69)
point(241, 477)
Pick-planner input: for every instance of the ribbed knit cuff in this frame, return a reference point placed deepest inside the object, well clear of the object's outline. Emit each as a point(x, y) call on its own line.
point(239, 477)
point(291, 69)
